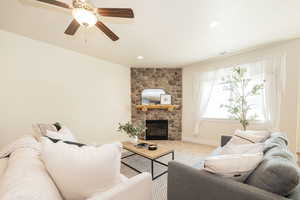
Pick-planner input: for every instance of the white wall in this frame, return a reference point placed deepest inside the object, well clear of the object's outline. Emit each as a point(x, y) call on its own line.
point(43, 83)
point(211, 131)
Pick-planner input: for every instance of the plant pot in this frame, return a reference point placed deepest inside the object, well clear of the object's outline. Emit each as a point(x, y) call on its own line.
point(134, 140)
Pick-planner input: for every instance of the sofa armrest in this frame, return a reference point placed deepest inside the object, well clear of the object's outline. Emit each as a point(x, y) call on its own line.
point(225, 139)
point(3, 165)
point(185, 182)
point(136, 188)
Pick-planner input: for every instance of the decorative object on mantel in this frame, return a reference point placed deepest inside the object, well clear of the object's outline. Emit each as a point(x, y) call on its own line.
point(133, 132)
point(165, 99)
point(238, 84)
point(145, 108)
point(152, 96)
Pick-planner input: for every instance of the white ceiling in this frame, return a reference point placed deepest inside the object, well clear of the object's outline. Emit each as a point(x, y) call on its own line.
point(167, 33)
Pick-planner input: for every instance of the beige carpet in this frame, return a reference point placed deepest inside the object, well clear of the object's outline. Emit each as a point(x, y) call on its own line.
point(144, 165)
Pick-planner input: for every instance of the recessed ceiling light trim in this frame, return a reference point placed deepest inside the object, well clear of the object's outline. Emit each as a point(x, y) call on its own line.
point(214, 24)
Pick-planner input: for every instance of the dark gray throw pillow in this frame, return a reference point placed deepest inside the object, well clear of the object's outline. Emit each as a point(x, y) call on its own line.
point(67, 142)
point(278, 173)
point(57, 125)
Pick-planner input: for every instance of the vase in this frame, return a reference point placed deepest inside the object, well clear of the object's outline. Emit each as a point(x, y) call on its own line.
point(134, 140)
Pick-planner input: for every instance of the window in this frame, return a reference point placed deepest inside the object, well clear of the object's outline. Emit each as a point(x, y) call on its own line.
point(219, 96)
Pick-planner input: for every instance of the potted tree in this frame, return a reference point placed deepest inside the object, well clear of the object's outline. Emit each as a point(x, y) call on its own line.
point(237, 83)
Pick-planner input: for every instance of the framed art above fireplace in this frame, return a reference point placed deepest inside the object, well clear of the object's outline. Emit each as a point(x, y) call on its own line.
point(152, 96)
point(165, 99)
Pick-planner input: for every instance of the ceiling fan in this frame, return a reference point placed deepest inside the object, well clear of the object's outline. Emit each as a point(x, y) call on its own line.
point(86, 15)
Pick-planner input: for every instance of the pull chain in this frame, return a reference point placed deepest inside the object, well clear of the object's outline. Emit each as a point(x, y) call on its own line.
point(85, 36)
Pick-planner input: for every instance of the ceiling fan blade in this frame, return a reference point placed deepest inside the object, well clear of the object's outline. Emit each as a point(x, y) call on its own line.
point(107, 31)
point(116, 12)
point(72, 28)
point(56, 3)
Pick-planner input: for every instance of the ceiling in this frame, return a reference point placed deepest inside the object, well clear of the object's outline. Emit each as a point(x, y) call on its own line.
point(167, 33)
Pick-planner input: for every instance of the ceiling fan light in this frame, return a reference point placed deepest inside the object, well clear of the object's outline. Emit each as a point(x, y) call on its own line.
point(84, 17)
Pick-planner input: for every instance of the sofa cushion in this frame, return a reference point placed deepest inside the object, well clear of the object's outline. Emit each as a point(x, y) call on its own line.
point(80, 172)
point(278, 173)
point(234, 166)
point(242, 149)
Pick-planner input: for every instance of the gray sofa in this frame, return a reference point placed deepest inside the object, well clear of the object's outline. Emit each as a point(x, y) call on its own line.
point(192, 183)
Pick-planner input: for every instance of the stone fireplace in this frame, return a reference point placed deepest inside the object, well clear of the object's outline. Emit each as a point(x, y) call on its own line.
point(169, 79)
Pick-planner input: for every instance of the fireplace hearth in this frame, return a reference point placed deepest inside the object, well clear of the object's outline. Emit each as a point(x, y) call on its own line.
point(157, 129)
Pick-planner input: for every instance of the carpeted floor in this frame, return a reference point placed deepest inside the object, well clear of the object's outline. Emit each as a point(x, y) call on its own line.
point(159, 184)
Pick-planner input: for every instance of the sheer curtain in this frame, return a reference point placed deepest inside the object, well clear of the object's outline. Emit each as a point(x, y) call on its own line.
point(275, 78)
point(271, 69)
point(204, 83)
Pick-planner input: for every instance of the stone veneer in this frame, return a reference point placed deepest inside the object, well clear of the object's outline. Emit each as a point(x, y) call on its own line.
point(169, 79)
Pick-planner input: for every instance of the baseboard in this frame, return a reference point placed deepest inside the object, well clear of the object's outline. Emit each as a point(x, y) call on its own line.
point(201, 141)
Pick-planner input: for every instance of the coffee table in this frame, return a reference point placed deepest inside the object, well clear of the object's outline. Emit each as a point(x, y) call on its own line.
point(150, 155)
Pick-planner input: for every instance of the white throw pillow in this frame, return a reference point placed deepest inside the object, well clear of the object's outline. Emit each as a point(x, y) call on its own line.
point(236, 140)
point(235, 166)
point(248, 137)
point(242, 149)
point(80, 172)
point(264, 134)
point(63, 134)
point(41, 129)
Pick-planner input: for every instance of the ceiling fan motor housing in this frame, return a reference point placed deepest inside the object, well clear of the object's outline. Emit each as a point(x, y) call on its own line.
point(84, 13)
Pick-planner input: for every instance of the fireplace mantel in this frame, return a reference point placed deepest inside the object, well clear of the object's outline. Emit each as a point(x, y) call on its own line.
point(145, 108)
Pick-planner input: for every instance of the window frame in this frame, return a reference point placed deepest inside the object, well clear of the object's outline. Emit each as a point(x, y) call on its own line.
point(233, 121)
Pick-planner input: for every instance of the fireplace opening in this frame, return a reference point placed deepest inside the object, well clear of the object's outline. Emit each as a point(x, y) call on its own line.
point(157, 129)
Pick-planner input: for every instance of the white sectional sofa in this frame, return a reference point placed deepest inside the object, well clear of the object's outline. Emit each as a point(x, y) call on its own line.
point(23, 175)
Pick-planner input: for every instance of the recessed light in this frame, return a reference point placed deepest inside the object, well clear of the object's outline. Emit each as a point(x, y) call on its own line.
point(140, 57)
point(214, 24)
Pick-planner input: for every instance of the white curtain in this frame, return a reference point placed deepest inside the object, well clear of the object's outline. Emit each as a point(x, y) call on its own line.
point(203, 86)
point(273, 70)
point(275, 78)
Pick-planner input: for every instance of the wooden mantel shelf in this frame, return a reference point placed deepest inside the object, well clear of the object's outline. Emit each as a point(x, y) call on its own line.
point(160, 106)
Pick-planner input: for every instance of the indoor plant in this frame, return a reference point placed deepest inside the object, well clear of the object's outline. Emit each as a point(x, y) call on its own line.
point(133, 131)
point(237, 83)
